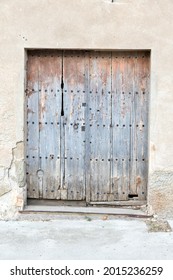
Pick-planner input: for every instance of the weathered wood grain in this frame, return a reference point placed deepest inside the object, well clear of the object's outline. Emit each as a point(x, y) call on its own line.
point(46, 104)
point(87, 125)
point(74, 123)
point(100, 125)
point(130, 84)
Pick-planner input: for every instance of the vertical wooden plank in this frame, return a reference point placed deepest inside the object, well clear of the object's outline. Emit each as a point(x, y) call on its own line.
point(32, 141)
point(74, 123)
point(100, 125)
point(43, 140)
point(142, 90)
point(50, 72)
point(121, 96)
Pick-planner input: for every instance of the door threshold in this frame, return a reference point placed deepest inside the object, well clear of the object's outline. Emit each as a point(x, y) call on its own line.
point(82, 203)
point(128, 212)
point(119, 203)
point(55, 202)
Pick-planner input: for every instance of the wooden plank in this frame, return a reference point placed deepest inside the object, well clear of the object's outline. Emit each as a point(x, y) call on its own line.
point(32, 143)
point(55, 202)
point(133, 120)
point(121, 95)
point(74, 63)
point(120, 203)
point(142, 90)
point(50, 72)
point(99, 120)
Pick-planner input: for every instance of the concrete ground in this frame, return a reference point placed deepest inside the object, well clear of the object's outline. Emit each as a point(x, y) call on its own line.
point(85, 239)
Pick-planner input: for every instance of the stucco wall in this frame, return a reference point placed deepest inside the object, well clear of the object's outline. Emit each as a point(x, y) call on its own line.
point(85, 24)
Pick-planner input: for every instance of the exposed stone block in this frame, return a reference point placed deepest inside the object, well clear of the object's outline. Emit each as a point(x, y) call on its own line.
point(4, 188)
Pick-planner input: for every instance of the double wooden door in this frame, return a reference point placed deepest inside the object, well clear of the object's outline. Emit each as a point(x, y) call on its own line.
point(87, 125)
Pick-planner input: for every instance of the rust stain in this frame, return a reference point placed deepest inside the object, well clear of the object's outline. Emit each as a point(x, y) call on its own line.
point(153, 147)
point(138, 181)
point(40, 126)
point(30, 111)
point(29, 93)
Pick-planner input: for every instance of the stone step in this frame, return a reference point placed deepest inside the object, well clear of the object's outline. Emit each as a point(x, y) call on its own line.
point(86, 210)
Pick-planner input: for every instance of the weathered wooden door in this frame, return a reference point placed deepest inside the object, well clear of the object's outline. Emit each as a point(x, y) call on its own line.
point(87, 123)
point(44, 71)
point(130, 95)
point(56, 125)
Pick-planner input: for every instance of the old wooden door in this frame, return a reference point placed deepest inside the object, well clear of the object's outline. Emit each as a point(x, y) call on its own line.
point(87, 123)
point(55, 141)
